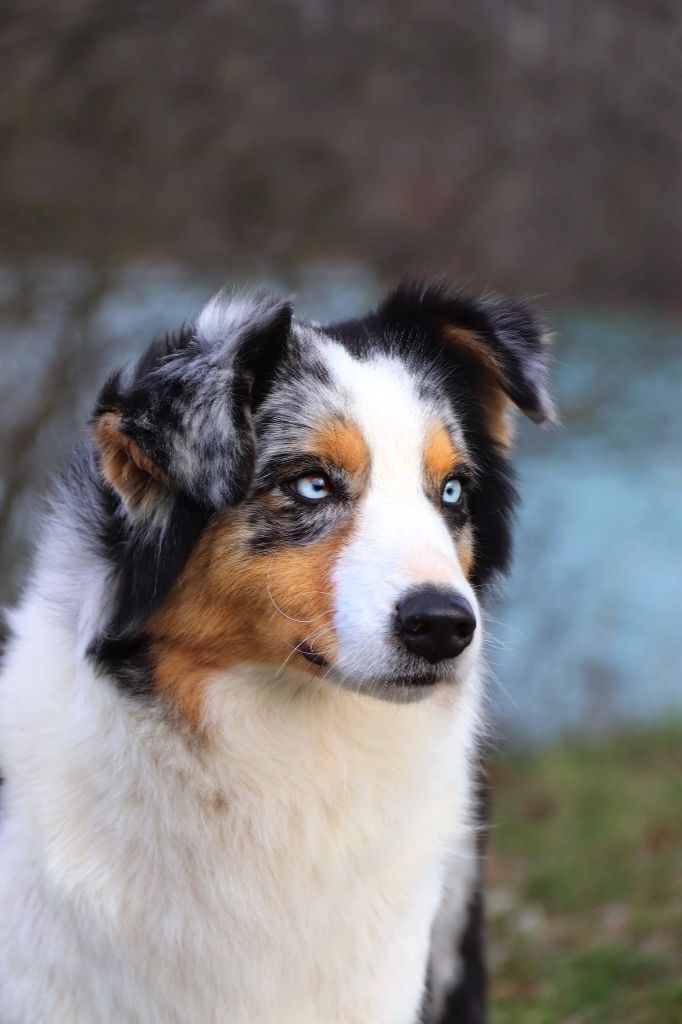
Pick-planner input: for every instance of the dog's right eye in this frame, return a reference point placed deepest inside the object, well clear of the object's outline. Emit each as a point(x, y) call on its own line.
point(312, 487)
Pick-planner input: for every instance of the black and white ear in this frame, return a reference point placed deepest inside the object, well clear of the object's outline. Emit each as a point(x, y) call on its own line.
point(180, 423)
point(502, 340)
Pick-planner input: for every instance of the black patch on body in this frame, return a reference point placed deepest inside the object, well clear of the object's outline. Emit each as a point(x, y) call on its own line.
point(467, 1003)
point(128, 661)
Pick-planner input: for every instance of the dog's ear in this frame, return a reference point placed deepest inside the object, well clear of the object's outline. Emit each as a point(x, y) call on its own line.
point(180, 424)
point(174, 444)
point(501, 343)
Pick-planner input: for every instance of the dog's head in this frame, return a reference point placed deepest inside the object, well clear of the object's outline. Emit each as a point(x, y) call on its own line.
point(323, 500)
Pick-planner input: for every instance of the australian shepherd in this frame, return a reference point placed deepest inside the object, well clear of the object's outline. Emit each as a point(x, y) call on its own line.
point(241, 702)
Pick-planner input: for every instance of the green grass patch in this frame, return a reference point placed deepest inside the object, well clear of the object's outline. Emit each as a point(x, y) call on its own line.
point(585, 882)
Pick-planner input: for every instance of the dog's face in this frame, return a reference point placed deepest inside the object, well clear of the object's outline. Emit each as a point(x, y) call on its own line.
point(326, 501)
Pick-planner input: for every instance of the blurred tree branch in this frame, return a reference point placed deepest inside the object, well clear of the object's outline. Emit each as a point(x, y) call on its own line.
point(531, 145)
point(75, 359)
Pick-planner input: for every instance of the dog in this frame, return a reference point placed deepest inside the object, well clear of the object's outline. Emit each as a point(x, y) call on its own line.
point(242, 700)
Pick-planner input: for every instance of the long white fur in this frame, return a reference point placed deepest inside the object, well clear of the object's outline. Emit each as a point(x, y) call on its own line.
point(289, 867)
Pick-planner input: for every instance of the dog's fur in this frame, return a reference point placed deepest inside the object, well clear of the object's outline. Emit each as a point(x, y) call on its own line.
point(231, 794)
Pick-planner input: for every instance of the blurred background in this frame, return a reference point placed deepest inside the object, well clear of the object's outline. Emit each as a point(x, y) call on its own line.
point(153, 151)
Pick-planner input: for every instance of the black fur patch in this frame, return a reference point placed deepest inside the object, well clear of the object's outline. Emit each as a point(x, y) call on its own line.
point(4, 640)
point(5, 633)
point(128, 661)
point(492, 497)
point(147, 564)
point(467, 1004)
point(508, 329)
point(292, 526)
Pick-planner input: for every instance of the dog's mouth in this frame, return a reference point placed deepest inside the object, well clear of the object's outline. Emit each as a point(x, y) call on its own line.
point(408, 681)
point(406, 686)
point(405, 682)
point(312, 656)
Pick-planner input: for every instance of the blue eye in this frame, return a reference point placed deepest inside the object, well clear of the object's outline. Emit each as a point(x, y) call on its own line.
point(452, 492)
point(312, 486)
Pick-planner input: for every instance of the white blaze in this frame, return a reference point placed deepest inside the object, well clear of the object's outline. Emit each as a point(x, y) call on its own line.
point(400, 540)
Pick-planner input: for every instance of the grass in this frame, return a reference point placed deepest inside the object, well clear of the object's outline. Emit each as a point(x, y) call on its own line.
point(585, 882)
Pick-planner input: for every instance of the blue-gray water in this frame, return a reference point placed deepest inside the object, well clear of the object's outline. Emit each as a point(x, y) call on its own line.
point(587, 632)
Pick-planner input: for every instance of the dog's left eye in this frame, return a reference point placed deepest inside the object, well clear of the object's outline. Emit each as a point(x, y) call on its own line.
point(312, 486)
point(452, 491)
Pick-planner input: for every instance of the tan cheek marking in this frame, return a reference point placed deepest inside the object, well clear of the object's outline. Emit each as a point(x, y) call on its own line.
point(220, 613)
point(301, 582)
point(341, 443)
point(497, 407)
point(180, 677)
point(203, 625)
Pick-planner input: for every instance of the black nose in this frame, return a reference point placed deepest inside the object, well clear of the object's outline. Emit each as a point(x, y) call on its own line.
point(436, 624)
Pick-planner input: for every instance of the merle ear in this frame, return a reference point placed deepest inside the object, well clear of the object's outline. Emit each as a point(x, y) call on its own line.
point(180, 424)
point(503, 340)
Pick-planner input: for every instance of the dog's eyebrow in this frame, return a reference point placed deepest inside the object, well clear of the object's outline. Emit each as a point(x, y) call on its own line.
point(442, 455)
point(335, 445)
point(340, 442)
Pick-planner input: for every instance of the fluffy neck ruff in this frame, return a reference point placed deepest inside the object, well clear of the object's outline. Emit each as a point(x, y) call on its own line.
point(302, 839)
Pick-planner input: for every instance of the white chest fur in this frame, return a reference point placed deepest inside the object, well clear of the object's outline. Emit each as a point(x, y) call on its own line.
point(286, 869)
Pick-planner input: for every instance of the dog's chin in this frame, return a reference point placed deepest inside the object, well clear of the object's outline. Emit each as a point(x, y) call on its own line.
point(403, 687)
point(399, 689)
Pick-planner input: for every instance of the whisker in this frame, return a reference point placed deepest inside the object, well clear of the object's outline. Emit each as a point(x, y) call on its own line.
point(505, 625)
point(490, 640)
point(495, 678)
point(299, 593)
point(313, 635)
point(316, 633)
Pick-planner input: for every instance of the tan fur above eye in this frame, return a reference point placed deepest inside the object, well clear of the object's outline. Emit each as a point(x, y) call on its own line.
point(440, 455)
point(341, 443)
point(130, 472)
